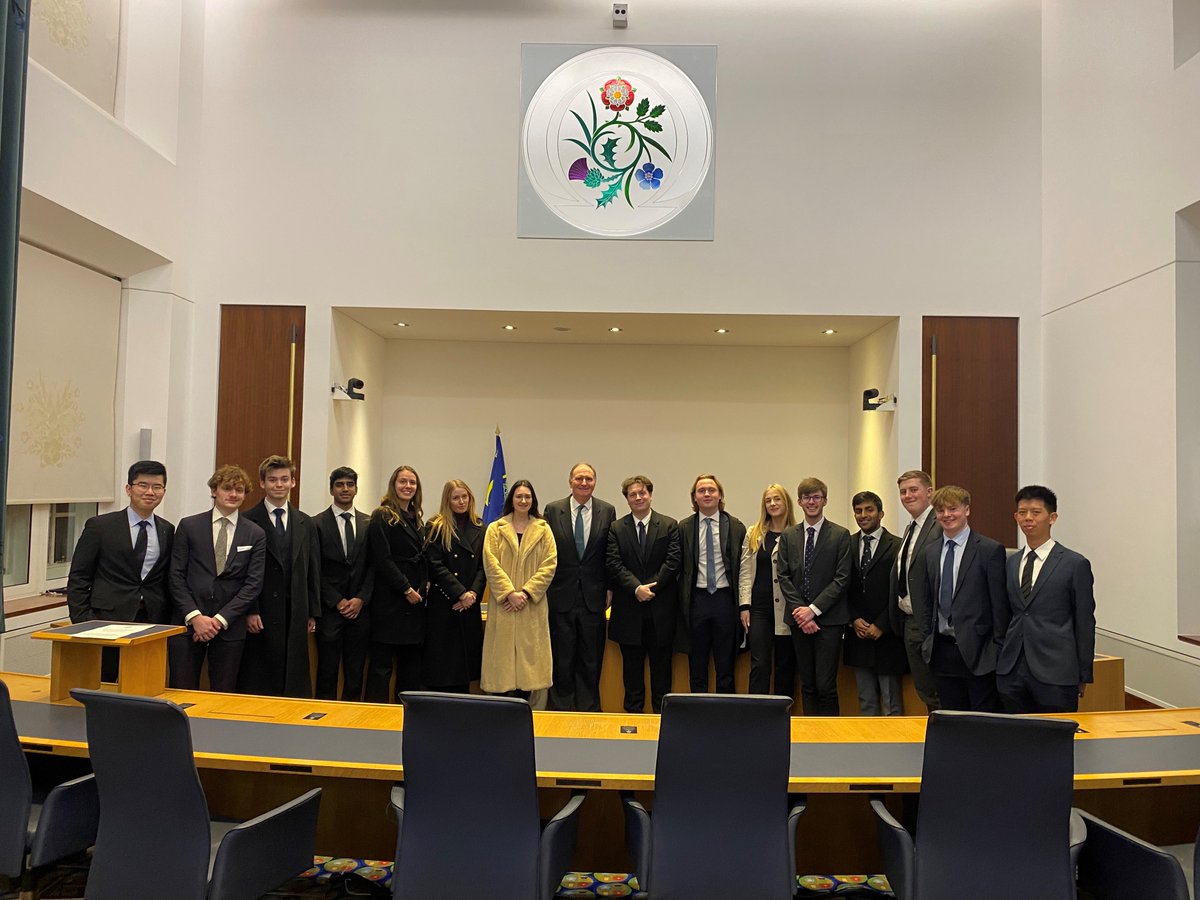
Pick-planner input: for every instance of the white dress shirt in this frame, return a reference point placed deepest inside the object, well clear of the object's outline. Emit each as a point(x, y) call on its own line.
point(905, 601)
point(1040, 555)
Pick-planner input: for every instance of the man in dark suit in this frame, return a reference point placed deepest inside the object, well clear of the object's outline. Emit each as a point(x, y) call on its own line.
point(960, 604)
point(217, 563)
point(276, 657)
point(643, 567)
point(1046, 657)
point(710, 544)
point(119, 568)
point(344, 627)
point(869, 646)
point(916, 492)
point(814, 576)
point(578, 595)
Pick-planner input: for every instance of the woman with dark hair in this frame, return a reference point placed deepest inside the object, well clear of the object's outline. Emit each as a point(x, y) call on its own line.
point(519, 557)
point(453, 629)
point(396, 538)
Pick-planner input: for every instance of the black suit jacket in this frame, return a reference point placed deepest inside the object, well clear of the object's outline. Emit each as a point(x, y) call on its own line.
point(343, 579)
point(105, 580)
point(829, 576)
point(397, 555)
point(576, 578)
point(1056, 626)
point(979, 608)
point(733, 536)
point(629, 567)
point(930, 533)
point(868, 598)
point(197, 586)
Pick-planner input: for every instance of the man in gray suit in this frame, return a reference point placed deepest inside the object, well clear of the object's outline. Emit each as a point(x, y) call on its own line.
point(1046, 658)
point(916, 492)
point(814, 564)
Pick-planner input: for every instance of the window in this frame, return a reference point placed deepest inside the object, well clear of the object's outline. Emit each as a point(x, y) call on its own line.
point(66, 522)
point(17, 524)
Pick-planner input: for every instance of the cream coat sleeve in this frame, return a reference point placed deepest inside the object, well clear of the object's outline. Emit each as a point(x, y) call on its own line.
point(540, 580)
point(746, 573)
point(497, 578)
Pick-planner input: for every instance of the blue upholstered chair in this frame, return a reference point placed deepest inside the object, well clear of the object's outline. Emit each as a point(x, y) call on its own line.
point(1116, 865)
point(468, 809)
point(722, 825)
point(34, 835)
point(153, 810)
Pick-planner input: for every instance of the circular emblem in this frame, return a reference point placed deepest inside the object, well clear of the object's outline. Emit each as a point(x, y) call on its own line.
point(617, 141)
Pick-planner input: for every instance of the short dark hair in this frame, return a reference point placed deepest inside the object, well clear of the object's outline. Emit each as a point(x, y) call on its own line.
point(866, 497)
point(636, 479)
point(342, 472)
point(1038, 492)
point(508, 498)
point(146, 467)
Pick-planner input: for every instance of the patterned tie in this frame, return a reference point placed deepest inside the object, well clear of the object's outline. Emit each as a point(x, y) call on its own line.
point(902, 581)
point(279, 529)
point(710, 550)
point(580, 539)
point(348, 533)
point(222, 544)
point(809, 546)
point(946, 590)
point(866, 557)
point(1027, 575)
point(642, 536)
point(139, 548)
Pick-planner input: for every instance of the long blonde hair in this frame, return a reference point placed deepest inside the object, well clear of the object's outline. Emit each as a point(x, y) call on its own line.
point(441, 526)
point(758, 531)
point(389, 503)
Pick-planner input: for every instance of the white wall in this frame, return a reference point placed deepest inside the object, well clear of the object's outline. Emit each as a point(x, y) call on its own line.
point(355, 427)
point(873, 438)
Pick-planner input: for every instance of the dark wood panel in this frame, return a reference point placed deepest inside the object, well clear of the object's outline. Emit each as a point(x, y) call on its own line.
point(976, 397)
point(252, 389)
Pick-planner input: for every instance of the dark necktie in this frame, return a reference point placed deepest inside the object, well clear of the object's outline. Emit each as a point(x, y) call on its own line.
point(1027, 575)
point(710, 551)
point(139, 547)
point(580, 540)
point(946, 590)
point(642, 536)
point(866, 557)
point(348, 529)
point(902, 580)
point(809, 547)
point(279, 529)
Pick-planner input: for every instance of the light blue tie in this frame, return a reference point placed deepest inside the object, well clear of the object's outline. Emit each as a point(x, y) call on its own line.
point(580, 540)
point(710, 570)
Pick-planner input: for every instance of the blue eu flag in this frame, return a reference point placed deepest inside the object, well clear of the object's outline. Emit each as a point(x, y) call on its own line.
point(493, 499)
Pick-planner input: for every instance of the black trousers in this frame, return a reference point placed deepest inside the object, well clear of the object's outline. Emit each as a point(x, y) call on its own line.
point(817, 657)
point(957, 686)
point(1020, 692)
point(715, 630)
point(341, 643)
point(381, 659)
point(765, 644)
point(187, 657)
point(577, 644)
point(922, 678)
point(633, 670)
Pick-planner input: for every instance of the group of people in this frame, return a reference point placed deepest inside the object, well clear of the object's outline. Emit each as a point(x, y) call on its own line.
point(392, 596)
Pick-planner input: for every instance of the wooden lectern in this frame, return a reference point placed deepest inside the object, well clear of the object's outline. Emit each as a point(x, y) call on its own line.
point(75, 658)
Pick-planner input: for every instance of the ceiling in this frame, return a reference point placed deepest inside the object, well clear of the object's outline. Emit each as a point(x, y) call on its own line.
point(636, 328)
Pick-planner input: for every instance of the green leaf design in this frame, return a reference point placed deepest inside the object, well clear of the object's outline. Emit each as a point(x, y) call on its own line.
point(657, 111)
point(643, 106)
point(609, 151)
point(652, 126)
point(578, 118)
point(593, 178)
point(609, 195)
point(581, 145)
point(595, 121)
point(657, 146)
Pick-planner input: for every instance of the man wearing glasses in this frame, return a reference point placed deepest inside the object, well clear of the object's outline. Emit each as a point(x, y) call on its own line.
point(119, 568)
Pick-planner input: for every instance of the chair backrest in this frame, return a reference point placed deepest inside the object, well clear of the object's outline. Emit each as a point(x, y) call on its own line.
point(154, 838)
point(995, 807)
point(470, 798)
point(16, 792)
point(719, 823)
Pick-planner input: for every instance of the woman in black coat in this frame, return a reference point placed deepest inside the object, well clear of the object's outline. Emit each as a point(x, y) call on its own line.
point(396, 538)
point(453, 628)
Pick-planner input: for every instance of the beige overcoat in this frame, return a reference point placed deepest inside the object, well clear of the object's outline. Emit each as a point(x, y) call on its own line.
point(516, 646)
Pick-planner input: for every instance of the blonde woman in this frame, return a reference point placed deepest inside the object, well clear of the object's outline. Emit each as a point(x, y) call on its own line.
point(453, 629)
point(760, 601)
point(519, 557)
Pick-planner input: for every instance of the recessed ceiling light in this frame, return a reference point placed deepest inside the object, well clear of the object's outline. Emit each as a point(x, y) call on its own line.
point(400, 324)
point(510, 327)
point(829, 331)
point(721, 330)
point(615, 329)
